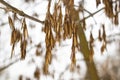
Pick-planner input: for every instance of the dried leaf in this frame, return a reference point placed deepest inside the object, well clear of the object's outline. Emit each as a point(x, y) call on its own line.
point(108, 8)
point(116, 22)
point(12, 51)
point(91, 38)
point(52, 41)
point(91, 53)
point(38, 52)
point(65, 31)
point(18, 36)
point(98, 2)
point(15, 36)
point(49, 34)
point(37, 73)
point(49, 4)
point(25, 31)
point(103, 48)
point(15, 17)
point(23, 49)
point(60, 16)
point(11, 23)
point(58, 28)
point(55, 12)
point(20, 77)
point(104, 34)
point(66, 26)
point(47, 41)
point(12, 37)
point(39, 45)
point(73, 62)
point(45, 69)
point(99, 36)
point(75, 42)
point(73, 59)
point(48, 58)
point(52, 21)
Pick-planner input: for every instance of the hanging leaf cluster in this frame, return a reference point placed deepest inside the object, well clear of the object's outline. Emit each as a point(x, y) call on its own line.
point(63, 28)
point(101, 38)
point(18, 36)
point(59, 27)
point(112, 8)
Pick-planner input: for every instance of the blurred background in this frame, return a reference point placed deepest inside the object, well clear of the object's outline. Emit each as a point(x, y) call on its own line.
point(31, 68)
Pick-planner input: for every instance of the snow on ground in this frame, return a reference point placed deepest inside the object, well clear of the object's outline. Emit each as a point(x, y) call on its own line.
point(62, 52)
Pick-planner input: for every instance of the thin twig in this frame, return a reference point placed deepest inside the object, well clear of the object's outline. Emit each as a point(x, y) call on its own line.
point(21, 13)
point(92, 14)
point(5, 67)
point(15, 61)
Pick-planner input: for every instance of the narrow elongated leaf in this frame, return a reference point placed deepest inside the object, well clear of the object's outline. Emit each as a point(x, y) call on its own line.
point(25, 31)
point(91, 38)
point(99, 36)
point(11, 23)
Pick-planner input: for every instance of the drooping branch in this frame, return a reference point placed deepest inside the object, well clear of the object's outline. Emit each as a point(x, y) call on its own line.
point(21, 13)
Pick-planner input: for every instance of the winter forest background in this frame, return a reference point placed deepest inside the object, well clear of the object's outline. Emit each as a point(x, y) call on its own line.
point(59, 39)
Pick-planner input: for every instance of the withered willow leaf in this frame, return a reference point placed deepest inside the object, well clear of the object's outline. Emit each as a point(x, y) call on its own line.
point(91, 53)
point(45, 68)
point(15, 36)
point(91, 38)
point(12, 51)
point(116, 20)
point(25, 31)
point(73, 61)
point(99, 36)
point(11, 24)
point(23, 46)
point(103, 47)
point(104, 34)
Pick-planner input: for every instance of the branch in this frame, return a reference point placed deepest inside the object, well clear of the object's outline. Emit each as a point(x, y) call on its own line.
point(92, 14)
point(15, 61)
point(21, 13)
point(5, 67)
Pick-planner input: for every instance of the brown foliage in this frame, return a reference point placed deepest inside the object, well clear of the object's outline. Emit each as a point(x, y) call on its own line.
point(17, 36)
point(58, 27)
